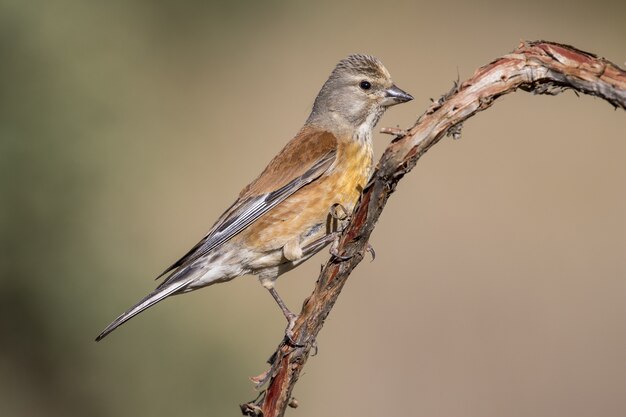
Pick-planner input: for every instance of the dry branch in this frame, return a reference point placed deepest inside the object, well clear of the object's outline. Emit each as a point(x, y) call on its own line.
point(538, 67)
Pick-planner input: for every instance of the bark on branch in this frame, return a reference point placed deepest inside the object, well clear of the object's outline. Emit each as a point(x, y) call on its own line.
point(538, 67)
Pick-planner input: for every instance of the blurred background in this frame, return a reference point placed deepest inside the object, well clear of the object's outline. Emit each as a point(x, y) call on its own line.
point(126, 128)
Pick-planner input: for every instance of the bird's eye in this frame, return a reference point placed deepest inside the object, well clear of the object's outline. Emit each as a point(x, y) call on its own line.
point(365, 85)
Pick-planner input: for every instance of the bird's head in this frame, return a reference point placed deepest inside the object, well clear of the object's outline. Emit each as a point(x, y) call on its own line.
point(356, 95)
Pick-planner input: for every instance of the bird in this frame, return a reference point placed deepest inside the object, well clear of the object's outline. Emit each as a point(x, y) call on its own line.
point(285, 215)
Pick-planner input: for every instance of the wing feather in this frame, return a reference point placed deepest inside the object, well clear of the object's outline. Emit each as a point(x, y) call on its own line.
point(303, 160)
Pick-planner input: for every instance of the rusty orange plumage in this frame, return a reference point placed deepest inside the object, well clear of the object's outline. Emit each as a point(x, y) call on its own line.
point(283, 217)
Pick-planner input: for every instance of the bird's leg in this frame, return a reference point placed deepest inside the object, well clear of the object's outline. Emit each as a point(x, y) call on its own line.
point(291, 317)
point(340, 213)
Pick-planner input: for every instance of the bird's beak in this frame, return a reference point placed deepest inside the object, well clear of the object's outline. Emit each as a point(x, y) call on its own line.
point(394, 95)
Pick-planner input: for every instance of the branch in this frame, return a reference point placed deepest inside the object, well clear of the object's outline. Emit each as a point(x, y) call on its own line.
point(538, 67)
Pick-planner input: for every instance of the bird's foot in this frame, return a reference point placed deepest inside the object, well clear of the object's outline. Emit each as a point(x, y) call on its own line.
point(334, 251)
point(291, 317)
point(289, 334)
point(341, 214)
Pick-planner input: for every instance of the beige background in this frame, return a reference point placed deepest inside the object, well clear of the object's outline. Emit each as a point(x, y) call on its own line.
point(126, 128)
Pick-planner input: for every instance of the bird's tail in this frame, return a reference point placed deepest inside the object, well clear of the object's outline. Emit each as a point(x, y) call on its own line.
point(151, 299)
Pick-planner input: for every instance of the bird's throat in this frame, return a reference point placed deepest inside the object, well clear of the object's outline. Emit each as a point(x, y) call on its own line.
point(363, 132)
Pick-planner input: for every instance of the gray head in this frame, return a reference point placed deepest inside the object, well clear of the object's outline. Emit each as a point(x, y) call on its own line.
point(355, 96)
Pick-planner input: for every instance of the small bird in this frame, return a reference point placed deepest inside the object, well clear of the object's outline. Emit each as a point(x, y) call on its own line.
point(285, 215)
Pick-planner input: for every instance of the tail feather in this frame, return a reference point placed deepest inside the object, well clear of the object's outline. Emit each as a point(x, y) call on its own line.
point(151, 299)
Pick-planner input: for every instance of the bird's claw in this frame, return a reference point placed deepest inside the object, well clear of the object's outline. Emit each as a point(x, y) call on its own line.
point(371, 251)
point(314, 347)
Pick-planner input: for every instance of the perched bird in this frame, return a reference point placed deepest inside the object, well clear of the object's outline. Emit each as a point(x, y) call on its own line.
point(283, 217)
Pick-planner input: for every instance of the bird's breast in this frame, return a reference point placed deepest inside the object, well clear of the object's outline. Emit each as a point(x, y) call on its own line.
point(309, 207)
point(354, 164)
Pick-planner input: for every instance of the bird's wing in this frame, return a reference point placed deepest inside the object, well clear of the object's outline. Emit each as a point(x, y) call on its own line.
point(304, 159)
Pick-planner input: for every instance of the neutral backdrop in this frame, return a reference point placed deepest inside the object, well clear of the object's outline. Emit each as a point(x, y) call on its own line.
point(126, 128)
